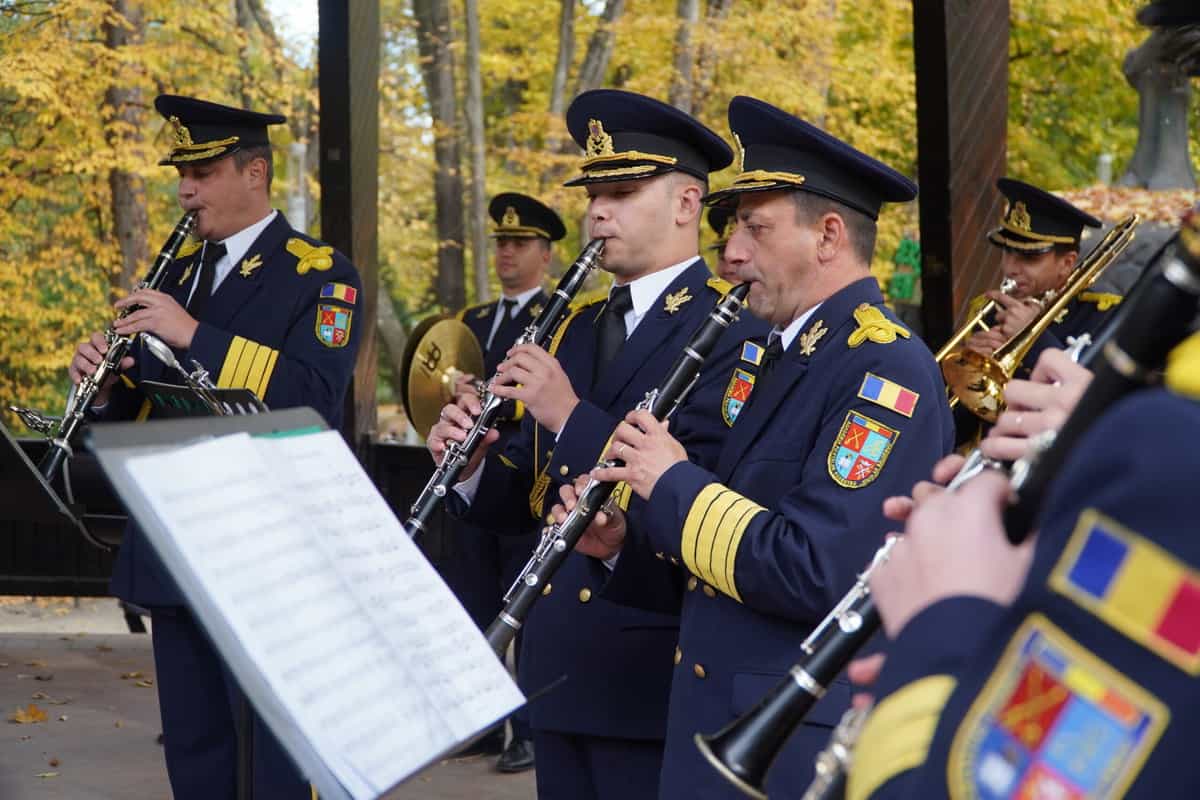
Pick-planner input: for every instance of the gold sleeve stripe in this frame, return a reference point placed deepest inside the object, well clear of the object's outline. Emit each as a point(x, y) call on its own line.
point(144, 412)
point(562, 330)
point(248, 365)
point(128, 381)
point(712, 532)
point(897, 735)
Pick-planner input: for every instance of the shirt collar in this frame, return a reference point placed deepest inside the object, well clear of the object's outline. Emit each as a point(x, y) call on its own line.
point(237, 245)
point(522, 299)
point(645, 291)
point(790, 333)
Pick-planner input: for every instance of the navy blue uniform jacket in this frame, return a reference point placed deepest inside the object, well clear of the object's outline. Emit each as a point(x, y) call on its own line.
point(772, 536)
point(1086, 686)
point(267, 327)
point(616, 659)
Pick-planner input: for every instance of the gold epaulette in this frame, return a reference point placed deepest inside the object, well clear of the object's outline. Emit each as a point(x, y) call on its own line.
point(1183, 368)
point(461, 316)
point(720, 285)
point(189, 247)
point(1103, 300)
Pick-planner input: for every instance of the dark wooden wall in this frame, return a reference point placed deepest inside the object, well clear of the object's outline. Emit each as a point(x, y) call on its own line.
point(348, 56)
point(961, 49)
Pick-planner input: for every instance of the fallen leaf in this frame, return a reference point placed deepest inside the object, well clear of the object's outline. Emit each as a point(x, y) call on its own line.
point(48, 677)
point(3, 664)
point(117, 724)
point(145, 684)
point(128, 675)
point(103, 648)
point(63, 718)
point(54, 702)
point(54, 762)
point(40, 696)
point(35, 663)
point(28, 716)
point(47, 775)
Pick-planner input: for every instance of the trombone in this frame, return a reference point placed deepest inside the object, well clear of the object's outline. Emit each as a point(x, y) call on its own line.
point(977, 381)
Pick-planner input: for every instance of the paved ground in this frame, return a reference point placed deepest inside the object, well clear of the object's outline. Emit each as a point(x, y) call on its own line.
point(94, 684)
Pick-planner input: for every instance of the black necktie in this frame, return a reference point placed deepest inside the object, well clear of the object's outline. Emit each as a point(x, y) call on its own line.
point(508, 312)
point(612, 328)
point(769, 361)
point(204, 282)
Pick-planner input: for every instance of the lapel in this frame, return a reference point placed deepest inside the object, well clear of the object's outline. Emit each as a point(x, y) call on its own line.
point(237, 290)
point(652, 334)
point(837, 315)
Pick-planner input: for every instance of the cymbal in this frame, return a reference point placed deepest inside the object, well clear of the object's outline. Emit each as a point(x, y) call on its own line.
point(439, 350)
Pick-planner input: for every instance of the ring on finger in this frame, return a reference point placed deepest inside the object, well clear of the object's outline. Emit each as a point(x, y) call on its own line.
point(621, 451)
point(1018, 420)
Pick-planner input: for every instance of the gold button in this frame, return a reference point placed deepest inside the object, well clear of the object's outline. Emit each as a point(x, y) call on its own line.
point(550, 518)
point(710, 591)
point(699, 670)
point(674, 561)
point(678, 655)
point(549, 454)
point(692, 583)
point(563, 470)
point(585, 594)
point(549, 588)
point(660, 556)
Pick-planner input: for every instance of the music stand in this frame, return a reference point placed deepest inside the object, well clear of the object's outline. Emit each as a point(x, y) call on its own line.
point(27, 496)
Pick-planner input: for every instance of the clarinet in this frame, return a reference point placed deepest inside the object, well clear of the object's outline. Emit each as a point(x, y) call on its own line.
point(60, 432)
point(744, 750)
point(557, 541)
point(539, 332)
point(833, 763)
point(1159, 318)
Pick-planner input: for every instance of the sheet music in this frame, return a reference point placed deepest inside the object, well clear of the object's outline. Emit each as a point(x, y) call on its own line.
point(379, 665)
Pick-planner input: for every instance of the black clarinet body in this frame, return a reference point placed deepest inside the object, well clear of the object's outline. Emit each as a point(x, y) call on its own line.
point(84, 395)
point(558, 541)
point(539, 332)
point(744, 750)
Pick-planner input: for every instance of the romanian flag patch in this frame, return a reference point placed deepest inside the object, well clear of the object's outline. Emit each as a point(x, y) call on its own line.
point(860, 450)
point(752, 353)
point(736, 395)
point(1135, 586)
point(333, 325)
point(1053, 720)
point(888, 394)
point(339, 291)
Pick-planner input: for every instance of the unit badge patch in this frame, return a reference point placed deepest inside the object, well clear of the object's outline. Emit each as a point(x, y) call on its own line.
point(340, 291)
point(1135, 586)
point(736, 395)
point(860, 450)
point(888, 394)
point(1053, 720)
point(333, 325)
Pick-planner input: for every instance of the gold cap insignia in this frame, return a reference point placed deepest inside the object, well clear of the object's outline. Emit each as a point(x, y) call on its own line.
point(599, 143)
point(183, 137)
point(511, 219)
point(675, 301)
point(741, 153)
point(1018, 217)
point(809, 339)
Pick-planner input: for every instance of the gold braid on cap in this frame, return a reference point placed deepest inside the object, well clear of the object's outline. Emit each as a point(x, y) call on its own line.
point(185, 149)
point(759, 178)
point(510, 225)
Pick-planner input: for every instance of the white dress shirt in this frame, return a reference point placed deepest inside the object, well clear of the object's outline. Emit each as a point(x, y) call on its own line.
point(236, 247)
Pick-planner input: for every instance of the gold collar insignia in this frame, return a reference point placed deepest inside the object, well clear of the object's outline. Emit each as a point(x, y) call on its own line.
point(809, 339)
point(187, 273)
point(675, 301)
point(249, 265)
point(535, 310)
point(483, 312)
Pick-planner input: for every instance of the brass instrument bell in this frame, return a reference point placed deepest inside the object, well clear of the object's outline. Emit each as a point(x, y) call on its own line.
point(439, 351)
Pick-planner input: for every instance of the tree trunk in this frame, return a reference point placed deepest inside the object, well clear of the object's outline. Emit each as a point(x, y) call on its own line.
point(393, 336)
point(434, 37)
point(706, 61)
point(680, 96)
point(600, 46)
point(820, 69)
point(478, 227)
point(122, 108)
point(566, 54)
